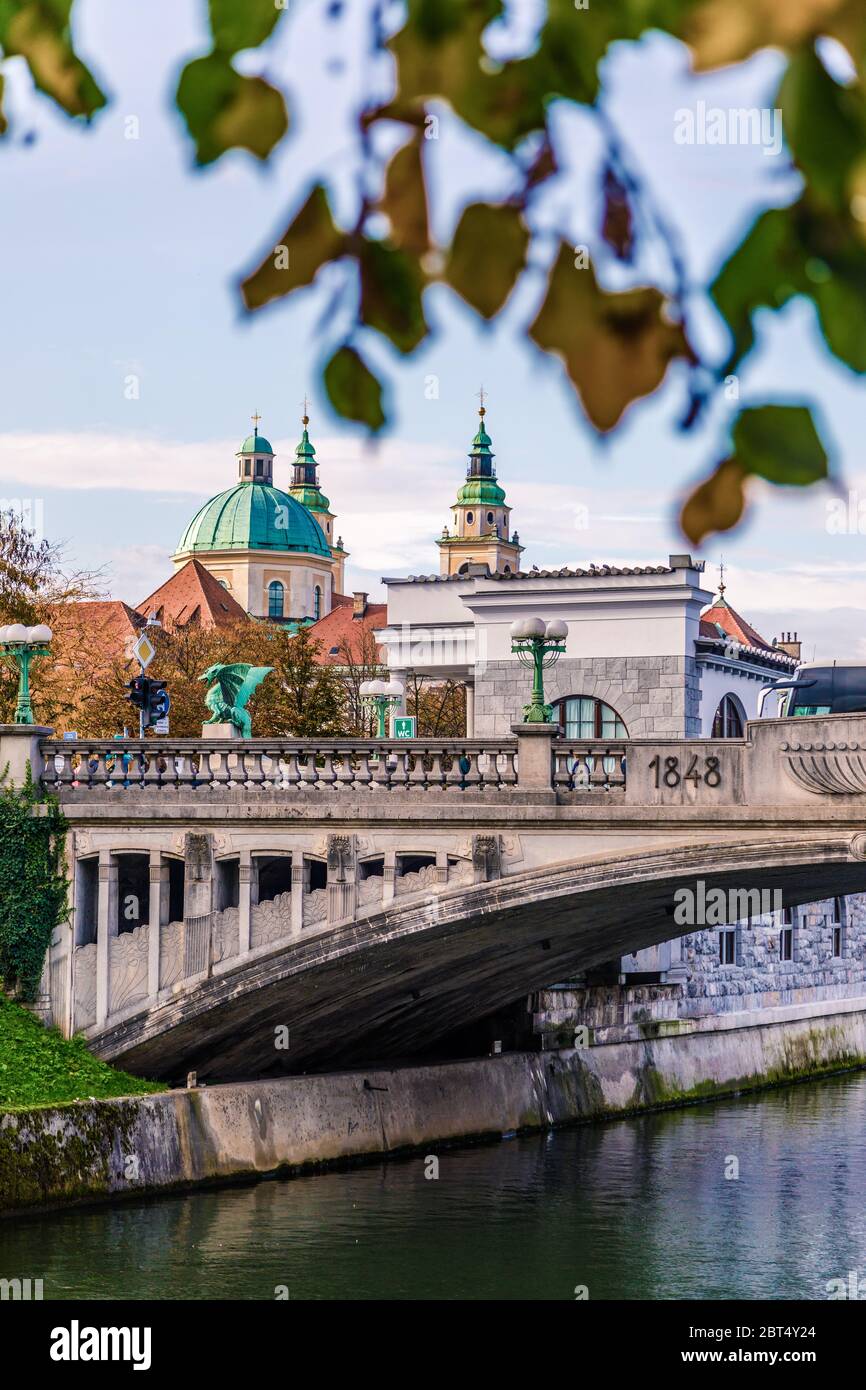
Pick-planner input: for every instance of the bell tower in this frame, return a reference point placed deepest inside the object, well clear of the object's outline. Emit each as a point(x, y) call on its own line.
point(479, 532)
point(305, 488)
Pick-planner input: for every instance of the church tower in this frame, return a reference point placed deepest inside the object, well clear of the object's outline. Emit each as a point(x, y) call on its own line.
point(305, 489)
point(480, 533)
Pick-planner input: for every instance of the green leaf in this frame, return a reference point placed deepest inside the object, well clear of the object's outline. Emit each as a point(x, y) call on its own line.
point(237, 24)
point(765, 271)
point(309, 241)
point(38, 31)
point(224, 110)
point(779, 443)
point(720, 32)
point(353, 390)
point(391, 285)
point(487, 255)
point(404, 200)
point(616, 347)
point(825, 129)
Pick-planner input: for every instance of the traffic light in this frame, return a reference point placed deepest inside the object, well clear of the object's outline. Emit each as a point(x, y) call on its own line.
point(139, 692)
point(158, 702)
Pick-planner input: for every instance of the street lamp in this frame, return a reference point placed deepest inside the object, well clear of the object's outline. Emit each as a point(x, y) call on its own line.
point(22, 644)
point(539, 645)
point(378, 697)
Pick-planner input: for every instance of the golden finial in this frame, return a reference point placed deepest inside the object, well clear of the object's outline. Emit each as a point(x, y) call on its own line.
point(481, 409)
point(255, 419)
point(721, 576)
point(305, 419)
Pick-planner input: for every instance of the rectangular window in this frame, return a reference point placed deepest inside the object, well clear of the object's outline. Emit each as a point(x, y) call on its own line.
point(787, 917)
point(728, 946)
point(837, 909)
point(837, 941)
point(786, 943)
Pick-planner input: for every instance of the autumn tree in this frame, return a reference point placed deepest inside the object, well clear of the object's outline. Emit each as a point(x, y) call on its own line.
point(615, 311)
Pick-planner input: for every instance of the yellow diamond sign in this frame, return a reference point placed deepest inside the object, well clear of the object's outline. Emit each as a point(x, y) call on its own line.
point(144, 651)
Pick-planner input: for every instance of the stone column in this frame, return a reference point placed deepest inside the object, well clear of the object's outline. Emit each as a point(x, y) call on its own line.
point(678, 970)
point(106, 927)
point(470, 709)
point(389, 876)
point(245, 901)
point(19, 747)
point(158, 875)
point(342, 886)
point(535, 756)
point(298, 889)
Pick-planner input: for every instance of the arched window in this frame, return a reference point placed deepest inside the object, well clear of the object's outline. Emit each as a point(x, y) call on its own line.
point(317, 603)
point(275, 599)
point(470, 517)
point(728, 719)
point(582, 716)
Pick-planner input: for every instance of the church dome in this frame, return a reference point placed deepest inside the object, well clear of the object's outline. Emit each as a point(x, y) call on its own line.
point(481, 491)
point(255, 444)
point(254, 516)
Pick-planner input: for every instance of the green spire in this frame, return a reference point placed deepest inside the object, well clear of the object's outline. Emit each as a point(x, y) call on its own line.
point(305, 481)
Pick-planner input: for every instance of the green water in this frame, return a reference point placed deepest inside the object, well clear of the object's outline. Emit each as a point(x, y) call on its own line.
point(637, 1208)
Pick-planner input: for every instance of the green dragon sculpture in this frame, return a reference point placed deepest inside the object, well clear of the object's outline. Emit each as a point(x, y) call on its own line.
point(231, 688)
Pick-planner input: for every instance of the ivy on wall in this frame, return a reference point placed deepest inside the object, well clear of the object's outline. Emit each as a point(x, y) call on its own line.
point(33, 883)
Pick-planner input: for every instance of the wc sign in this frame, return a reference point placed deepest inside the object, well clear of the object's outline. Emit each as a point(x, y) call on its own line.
point(403, 726)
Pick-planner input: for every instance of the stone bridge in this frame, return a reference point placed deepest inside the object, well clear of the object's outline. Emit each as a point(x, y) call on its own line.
point(243, 908)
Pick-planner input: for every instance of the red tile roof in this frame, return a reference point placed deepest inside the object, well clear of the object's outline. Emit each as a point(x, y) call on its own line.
point(109, 623)
point(339, 629)
point(192, 593)
point(721, 615)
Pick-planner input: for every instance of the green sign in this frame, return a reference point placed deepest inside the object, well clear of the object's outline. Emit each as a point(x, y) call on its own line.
point(403, 726)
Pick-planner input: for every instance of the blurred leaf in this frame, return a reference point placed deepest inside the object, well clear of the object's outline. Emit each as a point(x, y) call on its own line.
point(224, 110)
point(779, 443)
point(391, 285)
point(308, 242)
point(716, 504)
point(243, 24)
point(353, 390)
point(616, 347)
point(765, 271)
point(4, 124)
point(825, 128)
point(487, 255)
point(617, 224)
point(38, 31)
point(792, 251)
point(727, 31)
point(404, 200)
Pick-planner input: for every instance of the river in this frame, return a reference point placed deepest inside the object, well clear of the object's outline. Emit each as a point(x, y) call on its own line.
point(635, 1208)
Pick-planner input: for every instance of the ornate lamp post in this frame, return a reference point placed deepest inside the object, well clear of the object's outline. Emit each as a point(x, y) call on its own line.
point(378, 697)
point(539, 645)
point(22, 644)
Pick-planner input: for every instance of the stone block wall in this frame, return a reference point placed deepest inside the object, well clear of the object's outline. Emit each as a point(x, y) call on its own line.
point(760, 979)
point(653, 695)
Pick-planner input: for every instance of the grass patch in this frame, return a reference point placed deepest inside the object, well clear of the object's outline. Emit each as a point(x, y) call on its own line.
point(39, 1067)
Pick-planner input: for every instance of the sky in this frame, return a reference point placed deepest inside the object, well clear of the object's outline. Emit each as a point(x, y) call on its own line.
point(121, 260)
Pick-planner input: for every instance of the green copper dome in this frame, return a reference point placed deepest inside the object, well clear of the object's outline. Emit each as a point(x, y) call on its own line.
point(254, 516)
point(255, 444)
point(481, 491)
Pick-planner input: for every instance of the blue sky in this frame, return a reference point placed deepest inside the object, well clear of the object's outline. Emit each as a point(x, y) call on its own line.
point(119, 258)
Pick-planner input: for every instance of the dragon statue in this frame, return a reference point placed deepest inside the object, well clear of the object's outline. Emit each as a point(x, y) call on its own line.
point(230, 689)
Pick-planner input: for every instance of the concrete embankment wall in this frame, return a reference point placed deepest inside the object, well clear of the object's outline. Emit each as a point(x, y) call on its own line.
point(98, 1149)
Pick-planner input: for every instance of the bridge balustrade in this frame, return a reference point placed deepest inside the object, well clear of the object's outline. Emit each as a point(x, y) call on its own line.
point(588, 767)
point(298, 765)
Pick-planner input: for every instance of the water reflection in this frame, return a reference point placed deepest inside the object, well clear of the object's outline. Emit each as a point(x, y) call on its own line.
point(632, 1209)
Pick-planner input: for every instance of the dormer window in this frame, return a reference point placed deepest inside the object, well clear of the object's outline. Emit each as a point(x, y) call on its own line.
point(260, 467)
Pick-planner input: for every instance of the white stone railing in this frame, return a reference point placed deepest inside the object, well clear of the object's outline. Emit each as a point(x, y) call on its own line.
point(588, 766)
point(304, 764)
